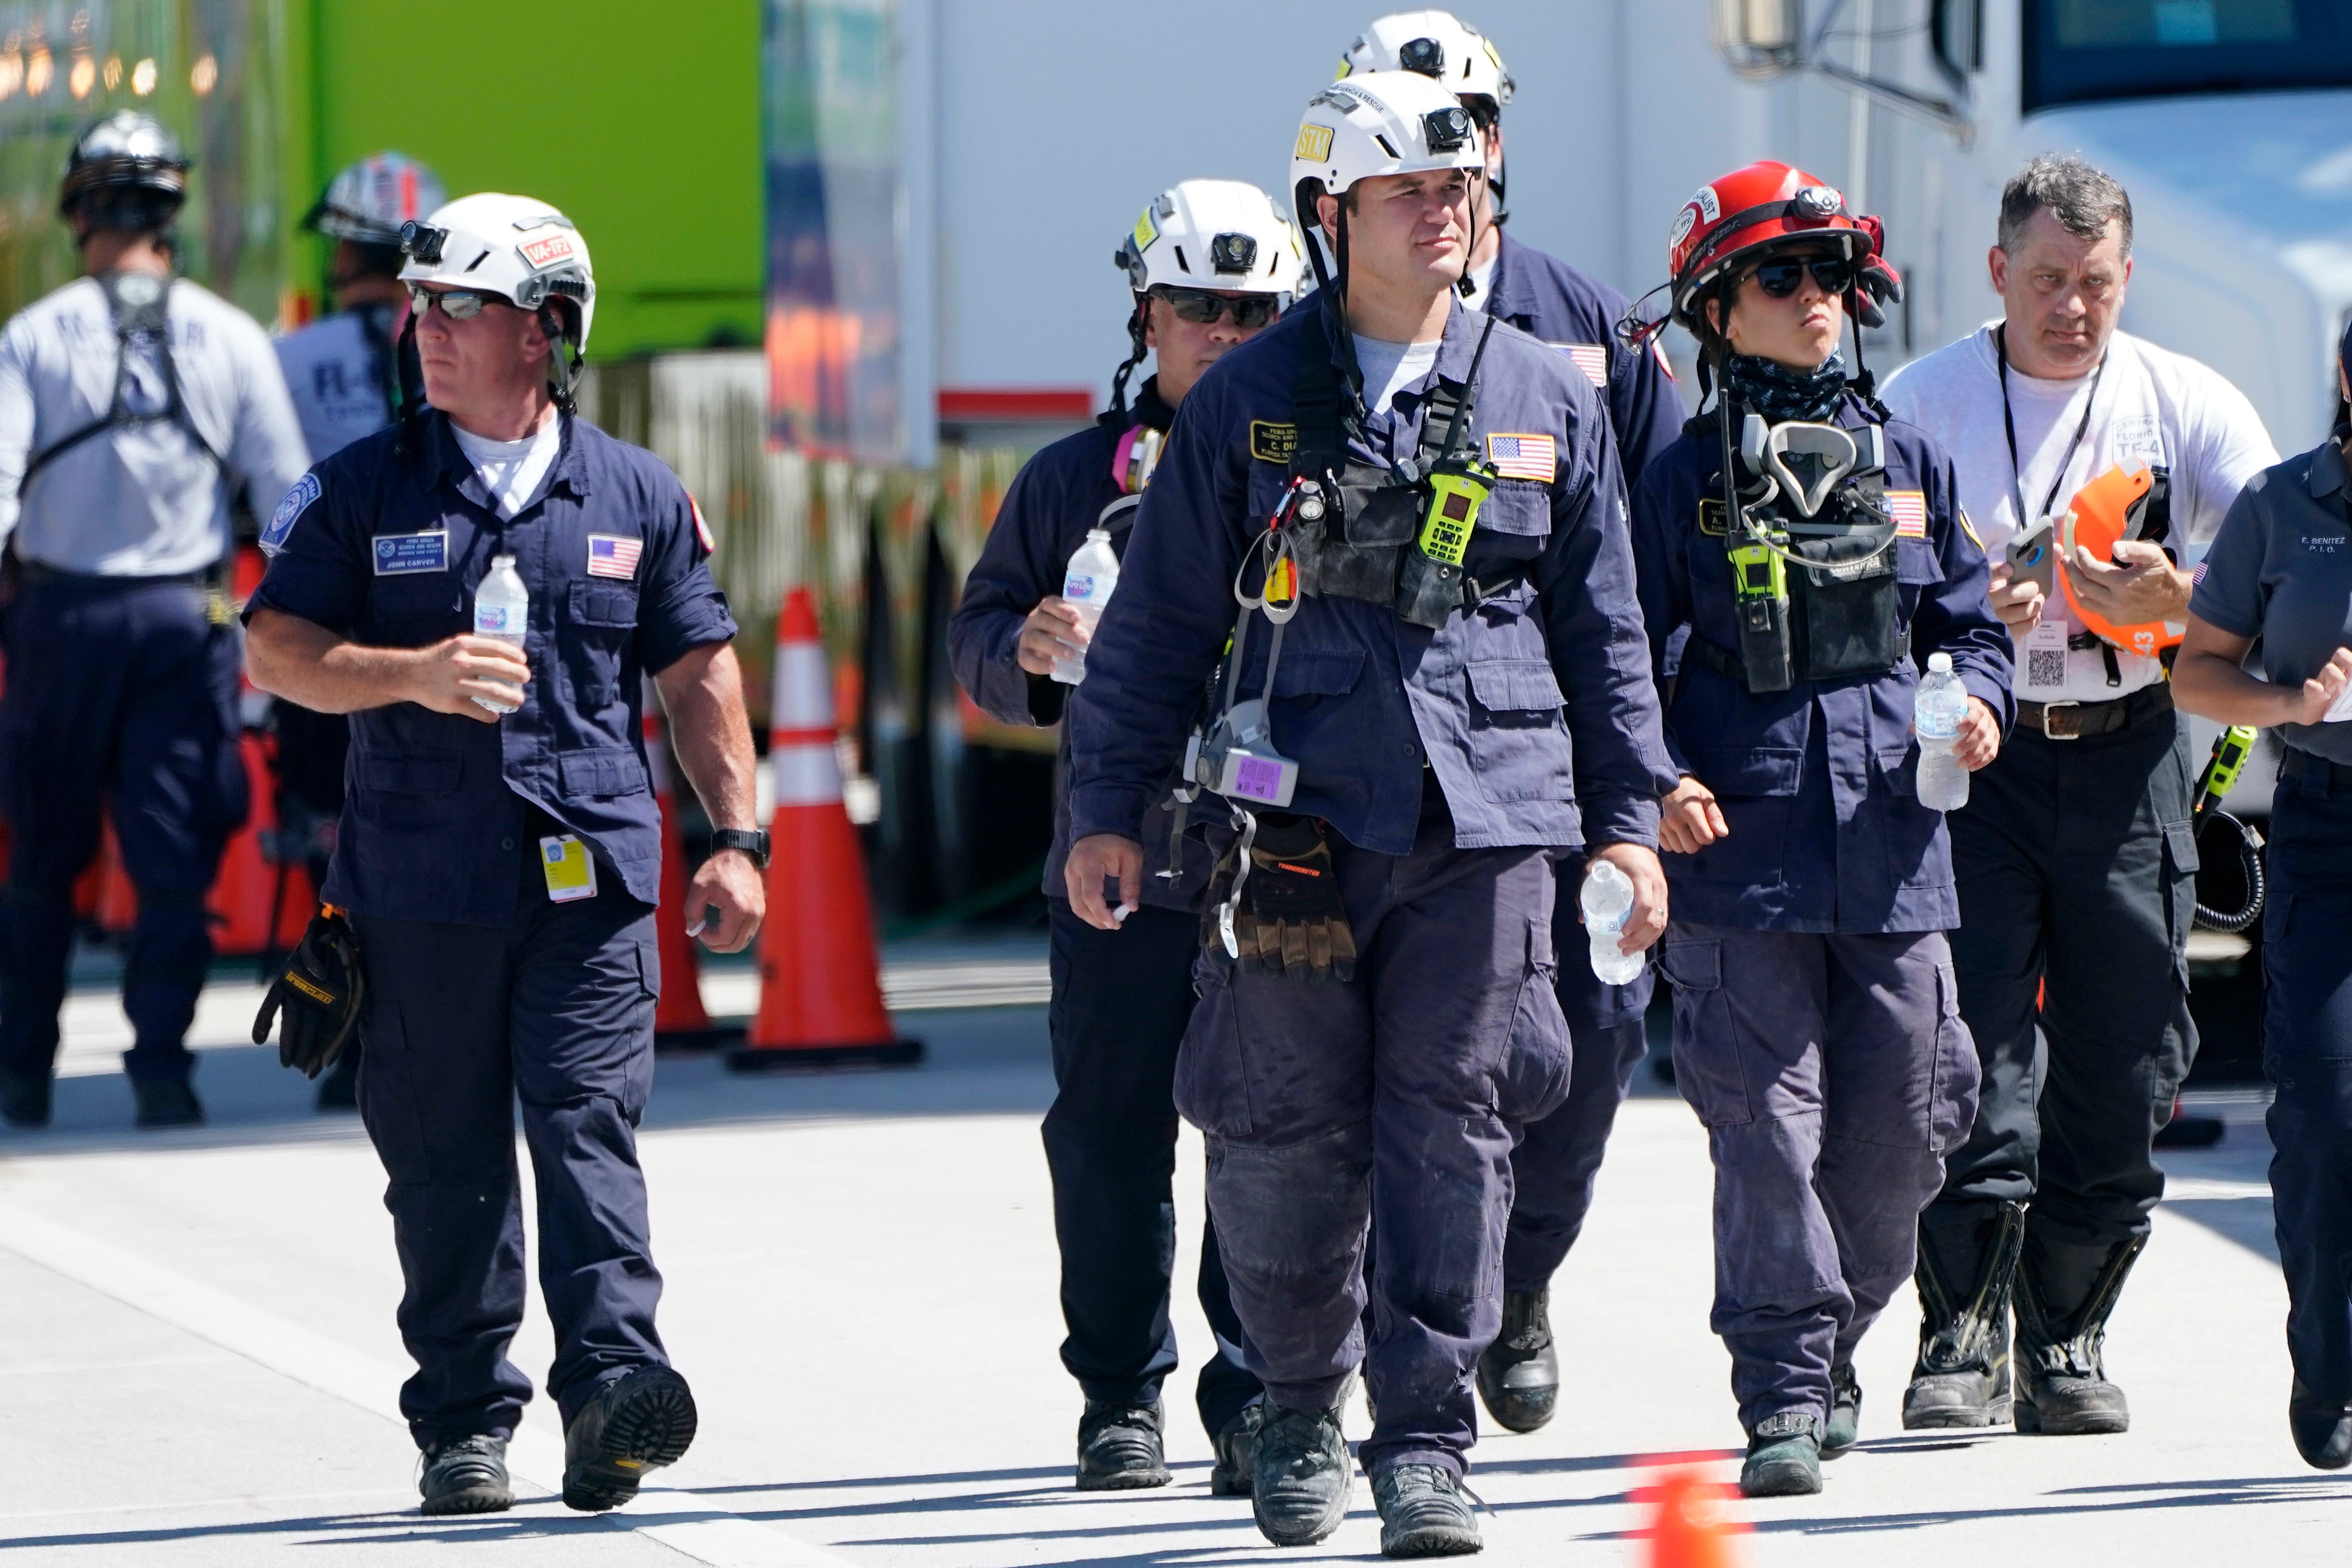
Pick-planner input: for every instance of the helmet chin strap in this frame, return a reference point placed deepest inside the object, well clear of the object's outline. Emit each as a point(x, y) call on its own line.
point(1136, 351)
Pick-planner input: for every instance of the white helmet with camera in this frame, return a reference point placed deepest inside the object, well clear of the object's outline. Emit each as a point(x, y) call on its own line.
point(1226, 235)
point(519, 248)
point(1434, 43)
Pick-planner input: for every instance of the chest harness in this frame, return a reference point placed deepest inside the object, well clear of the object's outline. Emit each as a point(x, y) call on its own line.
point(1810, 542)
point(136, 301)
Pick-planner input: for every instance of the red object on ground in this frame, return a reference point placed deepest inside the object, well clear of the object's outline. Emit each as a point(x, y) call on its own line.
point(820, 980)
point(680, 1020)
point(1689, 1527)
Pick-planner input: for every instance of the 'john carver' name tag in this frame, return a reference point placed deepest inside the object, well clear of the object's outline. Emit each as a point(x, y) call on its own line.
point(399, 553)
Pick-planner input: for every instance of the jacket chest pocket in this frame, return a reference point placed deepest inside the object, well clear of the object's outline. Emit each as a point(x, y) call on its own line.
point(599, 624)
point(409, 612)
point(1514, 526)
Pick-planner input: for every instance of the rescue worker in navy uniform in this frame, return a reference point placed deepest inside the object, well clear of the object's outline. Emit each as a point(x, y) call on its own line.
point(136, 408)
point(1210, 264)
point(488, 917)
point(1553, 1169)
point(349, 378)
point(1817, 1027)
point(1426, 502)
point(2280, 575)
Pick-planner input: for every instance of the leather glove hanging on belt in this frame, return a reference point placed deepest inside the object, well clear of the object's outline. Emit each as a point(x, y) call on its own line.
point(1289, 919)
point(321, 989)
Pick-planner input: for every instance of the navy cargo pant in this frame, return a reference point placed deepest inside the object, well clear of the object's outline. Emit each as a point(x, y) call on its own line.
point(1121, 1000)
point(1396, 1096)
point(2307, 1052)
point(1557, 1161)
point(2076, 865)
point(1833, 1074)
point(122, 696)
point(555, 1011)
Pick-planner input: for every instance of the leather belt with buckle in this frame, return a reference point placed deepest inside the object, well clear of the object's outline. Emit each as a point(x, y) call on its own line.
point(2073, 721)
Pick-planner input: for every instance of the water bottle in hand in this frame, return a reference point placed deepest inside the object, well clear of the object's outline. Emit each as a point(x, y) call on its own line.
point(503, 613)
point(1943, 701)
point(1608, 898)
point(1093, 578)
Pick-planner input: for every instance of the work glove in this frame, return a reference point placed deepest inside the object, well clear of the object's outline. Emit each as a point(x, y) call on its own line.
point(321, 989)
point(1879, 286)
point(1289, 921)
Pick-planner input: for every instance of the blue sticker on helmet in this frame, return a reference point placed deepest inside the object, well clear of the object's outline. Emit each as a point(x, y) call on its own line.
point(282, 521)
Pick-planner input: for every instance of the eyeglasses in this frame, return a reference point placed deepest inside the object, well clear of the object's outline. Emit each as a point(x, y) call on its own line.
point(1202, 308)
point(1779, 280)
point(458, 304)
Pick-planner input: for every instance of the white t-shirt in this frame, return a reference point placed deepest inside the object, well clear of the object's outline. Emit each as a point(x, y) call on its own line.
point(2153, 406)
point(511, 470)
point(1390, 368)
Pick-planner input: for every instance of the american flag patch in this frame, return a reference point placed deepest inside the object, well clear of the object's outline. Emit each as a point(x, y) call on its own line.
point(2197, 578)
point(1592, 359)
point(1522, 457)
point(610, 555)
point(702, 529)
point(1910, 510)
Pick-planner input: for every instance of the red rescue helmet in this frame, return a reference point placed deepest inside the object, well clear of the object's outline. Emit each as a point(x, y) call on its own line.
point(1740, 215)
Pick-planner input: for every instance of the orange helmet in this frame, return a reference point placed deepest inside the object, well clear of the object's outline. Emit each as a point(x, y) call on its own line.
point(1751, 210)
point(2110, 508)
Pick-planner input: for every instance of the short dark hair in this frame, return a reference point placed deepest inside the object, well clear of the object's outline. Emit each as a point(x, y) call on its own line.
point(2084, 200)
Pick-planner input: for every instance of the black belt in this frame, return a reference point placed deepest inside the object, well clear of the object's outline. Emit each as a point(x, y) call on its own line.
point(40, 572)
point(2073, 721)
point(2305, 768)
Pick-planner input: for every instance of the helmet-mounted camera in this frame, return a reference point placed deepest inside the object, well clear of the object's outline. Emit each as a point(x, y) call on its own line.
point(1423, 56)
point(1448, 129)
point(422, 242)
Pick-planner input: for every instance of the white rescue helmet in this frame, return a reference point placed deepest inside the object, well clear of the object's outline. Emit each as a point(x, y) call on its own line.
point(1434, 43)
point(1384, 122)
point(1226, 235)
point(369, 201)
point(519, 249)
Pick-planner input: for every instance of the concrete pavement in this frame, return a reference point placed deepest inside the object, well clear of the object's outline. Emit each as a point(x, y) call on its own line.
point(199, 1360)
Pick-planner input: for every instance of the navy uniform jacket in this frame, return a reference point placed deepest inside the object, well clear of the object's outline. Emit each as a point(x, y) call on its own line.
point(1058, 494)
point(386, 550)
point(1815, 782)
point(1528, 709)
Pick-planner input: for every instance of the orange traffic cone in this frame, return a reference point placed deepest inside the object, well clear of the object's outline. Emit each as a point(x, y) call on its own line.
point(680, 1021)
point(820, 987)
point(1689, 1528)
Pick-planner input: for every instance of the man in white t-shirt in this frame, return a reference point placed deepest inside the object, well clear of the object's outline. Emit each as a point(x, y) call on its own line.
point(2074, 856)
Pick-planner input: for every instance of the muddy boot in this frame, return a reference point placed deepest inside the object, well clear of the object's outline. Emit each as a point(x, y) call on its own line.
point(1968, 1266)
point(1424, 1514)
point(1784, 1457)
point(2065, 1289)
point(1518, 1377)
point(1300, 1493)
point(1236, 1445)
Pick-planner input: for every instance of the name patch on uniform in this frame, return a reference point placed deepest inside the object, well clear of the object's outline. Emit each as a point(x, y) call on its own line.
point(1909, 509)
point(1273, 443)
point(1710, 517)
point(1592, 359)
point(611, 555)
point(290, 510)
point(1522, 457)
point(397, 555)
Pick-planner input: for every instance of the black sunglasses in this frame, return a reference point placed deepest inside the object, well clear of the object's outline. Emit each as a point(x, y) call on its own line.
point(1779, 279)
point(1202, 308)
point(458, 304)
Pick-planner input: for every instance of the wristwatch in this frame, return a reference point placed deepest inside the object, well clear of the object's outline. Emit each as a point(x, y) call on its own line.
point(750, 840)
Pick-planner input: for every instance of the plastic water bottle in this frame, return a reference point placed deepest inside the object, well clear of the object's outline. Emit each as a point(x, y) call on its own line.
point(1942, 702)
point(503, 613)
point(1092, 579)
point(1608, 898)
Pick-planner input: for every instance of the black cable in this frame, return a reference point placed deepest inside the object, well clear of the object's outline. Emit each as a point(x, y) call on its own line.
point(2250, 859)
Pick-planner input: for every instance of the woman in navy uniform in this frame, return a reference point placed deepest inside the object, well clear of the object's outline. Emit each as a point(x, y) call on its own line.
point(491, 897)
point(1217, 249)
point(1817, 1030)
point(2280, 575)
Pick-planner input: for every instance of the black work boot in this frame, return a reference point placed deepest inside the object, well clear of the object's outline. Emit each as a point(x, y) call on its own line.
point(1968, 1266)
point(1844, 1428)
point(639, 1421)
point(25, 1098)
point(1784, 1457)
point(1518, 1375)
point(2065, 1290)
point(1300, 1493)
point(1237, 1445)
point(1424, 1514)
point(466, 1475)
point(2322, 1428)
point(167, 1102)
point(1118, 1448)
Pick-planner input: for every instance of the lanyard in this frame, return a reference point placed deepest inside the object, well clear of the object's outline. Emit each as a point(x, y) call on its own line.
point(2009, 427)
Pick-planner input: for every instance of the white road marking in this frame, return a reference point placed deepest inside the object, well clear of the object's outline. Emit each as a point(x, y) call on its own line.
point(679, 1520)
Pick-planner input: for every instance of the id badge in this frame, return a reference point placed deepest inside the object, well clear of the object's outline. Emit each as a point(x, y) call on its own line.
point(2044, 652)
point(570, 869)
